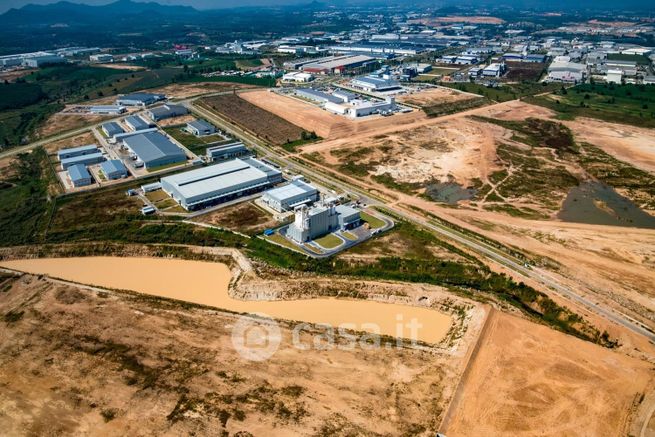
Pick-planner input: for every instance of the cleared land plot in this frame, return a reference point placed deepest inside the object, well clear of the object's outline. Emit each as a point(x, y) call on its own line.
point(178, 364)
point(59, 123)
point(244, 217)
point(326, 125)
point(434, 96)
point(260, 122)
point(519, 71)
point(528, 380)
point(183, 91)
point(78, 140)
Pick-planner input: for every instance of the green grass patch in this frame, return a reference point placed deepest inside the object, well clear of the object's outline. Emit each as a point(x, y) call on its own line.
point(628, 104)
point(329, 241)
point(373, 222)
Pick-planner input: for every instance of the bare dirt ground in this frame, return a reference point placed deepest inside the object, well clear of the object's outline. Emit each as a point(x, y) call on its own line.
point(78, 140)
point(14, 74)
point(244, 217)
point(515, 110)
point(113, 363)
point(571, 387)
point(120, 67)
point(434, 96)
point(631, 144)
point(460, 149)
point(326, 125)
point(59, 122)
point(473, 19)
point(184, 119)
point(183, 91)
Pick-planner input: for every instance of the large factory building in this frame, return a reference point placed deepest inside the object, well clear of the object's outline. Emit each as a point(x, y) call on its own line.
point(219, 183)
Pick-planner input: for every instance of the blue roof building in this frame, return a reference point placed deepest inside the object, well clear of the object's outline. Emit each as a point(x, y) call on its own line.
point(139, 99)
point(77, 151)
point(154, 149)
point(112, 128)
point(93, 158)
point(227, 151)
point(113, 169)
point(200, 128)
point(79, 175)
point(137, 123)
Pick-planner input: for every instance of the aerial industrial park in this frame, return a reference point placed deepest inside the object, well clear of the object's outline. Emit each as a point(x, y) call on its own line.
point(335, 219)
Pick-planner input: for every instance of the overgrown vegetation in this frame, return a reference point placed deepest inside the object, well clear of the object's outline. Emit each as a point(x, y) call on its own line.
point(629, 103)
point(24, 204)
point(504, 92)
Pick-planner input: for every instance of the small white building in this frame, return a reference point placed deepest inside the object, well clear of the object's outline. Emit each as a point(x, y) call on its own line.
point(298, 76)
point(614, 76)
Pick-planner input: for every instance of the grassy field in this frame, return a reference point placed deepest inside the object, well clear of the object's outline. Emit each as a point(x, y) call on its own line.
point(505, 92)
point(197, 145)
point(629, 104)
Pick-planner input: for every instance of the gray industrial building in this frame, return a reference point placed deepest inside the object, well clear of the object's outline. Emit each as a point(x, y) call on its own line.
point(200, 128)
point(227, 151)
point(219, 183)
point(113, 169)
point(317, 96)
point(77, 151)
point(112, 128)
point(40, 61)
point(374, 83)
point(93, 158)
point(290, 196)
point(154, 149)
point(167, 111)
point(107, 109)
point(140, 99)
point(137, 123)
point(315, 222)
point(122, 137)
point(79, 175)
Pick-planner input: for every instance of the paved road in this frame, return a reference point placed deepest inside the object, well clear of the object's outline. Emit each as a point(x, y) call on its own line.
point(485, 250)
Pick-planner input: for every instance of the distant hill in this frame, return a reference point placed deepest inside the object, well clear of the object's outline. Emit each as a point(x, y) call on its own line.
point(65, 12)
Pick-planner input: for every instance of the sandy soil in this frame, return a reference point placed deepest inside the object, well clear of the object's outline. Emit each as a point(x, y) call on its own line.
point(184, 119)
point(79, 140)
point(515, 110)
point(572, 387)
point(434, 96)
point(627, 143)
point(326, 125)
point(459, 149)
point(244, 217)
point(183, 91)
point(120, 67)
point(59, 122)
point(14, 74)
point(113, 363)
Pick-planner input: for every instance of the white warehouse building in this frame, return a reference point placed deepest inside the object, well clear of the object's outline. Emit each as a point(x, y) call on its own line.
point(219, 183)
point(287, 197)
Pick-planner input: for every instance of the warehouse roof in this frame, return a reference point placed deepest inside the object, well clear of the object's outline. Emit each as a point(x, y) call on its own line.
point(218, 178)
point(112, 166)
point(112, 128)
point(169, 111)
point(150, 146)
point(348, 212)
point(143, 97)
point(78, 172)
point(137, 122)
point(292, 189)
point(238, 145)
point(67, 162)
point(79, 149)
point(200, 125)
point(320, 95)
